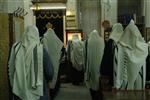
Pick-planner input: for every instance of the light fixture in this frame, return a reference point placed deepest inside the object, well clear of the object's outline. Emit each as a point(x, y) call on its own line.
point(70, 35)
point(68, 13)
point(51, 6)
point(71, 32)
point(37, 6)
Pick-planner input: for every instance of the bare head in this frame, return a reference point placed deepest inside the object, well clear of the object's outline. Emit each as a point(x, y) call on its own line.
point(106, 24)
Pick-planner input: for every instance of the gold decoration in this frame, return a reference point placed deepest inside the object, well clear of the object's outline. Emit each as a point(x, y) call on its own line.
point(49, 17)
point(37, 7)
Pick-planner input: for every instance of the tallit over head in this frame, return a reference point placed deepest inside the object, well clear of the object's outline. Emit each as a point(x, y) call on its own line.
point(136, 52)
point(27, 55)
point(131, 35)
point(95, 50)
point(117, 31)
point(77, 54)
point(31, 35)
point(88, 35)
point(75, 37)
point(53, 45)
point(133, 40)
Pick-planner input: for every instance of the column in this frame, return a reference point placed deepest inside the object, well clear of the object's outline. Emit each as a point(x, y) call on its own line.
point(89, 15)
point(109, 11)
point(29, 19)
point(147, 13)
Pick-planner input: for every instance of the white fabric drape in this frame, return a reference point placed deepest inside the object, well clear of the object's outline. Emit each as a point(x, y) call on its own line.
point(53, 45)
point(135, 53)
point(120, 67)
point(77, 54)
point(117, 31)
point(95, 50)
point(26, 66)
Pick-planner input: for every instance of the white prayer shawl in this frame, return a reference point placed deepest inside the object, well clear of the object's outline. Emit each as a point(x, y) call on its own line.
point(117, 31)
point(85, 49)
point(135, 53)
point(26, 66)
point(53, 45)
point(95, 50)
point(77, 54)
point(118, 71)
point(120, 67)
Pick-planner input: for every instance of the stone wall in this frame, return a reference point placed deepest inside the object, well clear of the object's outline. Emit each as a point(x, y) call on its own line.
point(90, 15)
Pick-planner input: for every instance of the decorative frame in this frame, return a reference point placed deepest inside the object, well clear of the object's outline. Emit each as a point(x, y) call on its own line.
point(70, 32)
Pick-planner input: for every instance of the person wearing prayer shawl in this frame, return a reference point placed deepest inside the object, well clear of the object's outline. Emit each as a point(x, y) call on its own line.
point(95, 50)
point(29, 73)
point(133, 53)
point(117, 32)
point(54, 46)
point(107, 65)
point(69, 64)
point(148, 63)
point(77, 60)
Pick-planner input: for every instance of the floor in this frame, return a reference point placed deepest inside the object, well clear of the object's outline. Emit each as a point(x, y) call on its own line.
point(71, 92)
point(127, 95)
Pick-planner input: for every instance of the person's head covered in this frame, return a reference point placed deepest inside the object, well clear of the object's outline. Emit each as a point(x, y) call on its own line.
point(31, 35)
point(75, 37)
point(117, 32)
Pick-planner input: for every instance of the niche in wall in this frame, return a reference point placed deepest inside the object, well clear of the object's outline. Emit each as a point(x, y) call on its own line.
point(55, 17)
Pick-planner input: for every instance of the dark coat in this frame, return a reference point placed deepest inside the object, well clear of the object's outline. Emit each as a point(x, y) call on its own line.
point(48, 74)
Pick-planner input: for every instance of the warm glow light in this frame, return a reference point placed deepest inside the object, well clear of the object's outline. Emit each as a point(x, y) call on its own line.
point(34, 8)
point(68, 13)
point(48, 6)
point(70, 36)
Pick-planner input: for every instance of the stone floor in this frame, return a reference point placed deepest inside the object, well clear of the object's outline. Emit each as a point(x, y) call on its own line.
point(71, 92)
point(127, 95)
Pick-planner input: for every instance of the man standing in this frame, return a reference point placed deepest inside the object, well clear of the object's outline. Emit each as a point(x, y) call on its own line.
point(95, 50)
point(54, 46)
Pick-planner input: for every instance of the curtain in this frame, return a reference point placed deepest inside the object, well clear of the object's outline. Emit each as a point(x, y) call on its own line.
point(54, 17)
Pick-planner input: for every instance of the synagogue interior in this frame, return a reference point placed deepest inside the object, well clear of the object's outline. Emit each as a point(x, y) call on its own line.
point(74, 50)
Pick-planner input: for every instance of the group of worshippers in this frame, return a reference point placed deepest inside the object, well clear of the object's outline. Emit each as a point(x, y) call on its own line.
point(125, 54)
point(33, 65)
point(121, 58)
point(84, 58)
point(75, 60)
